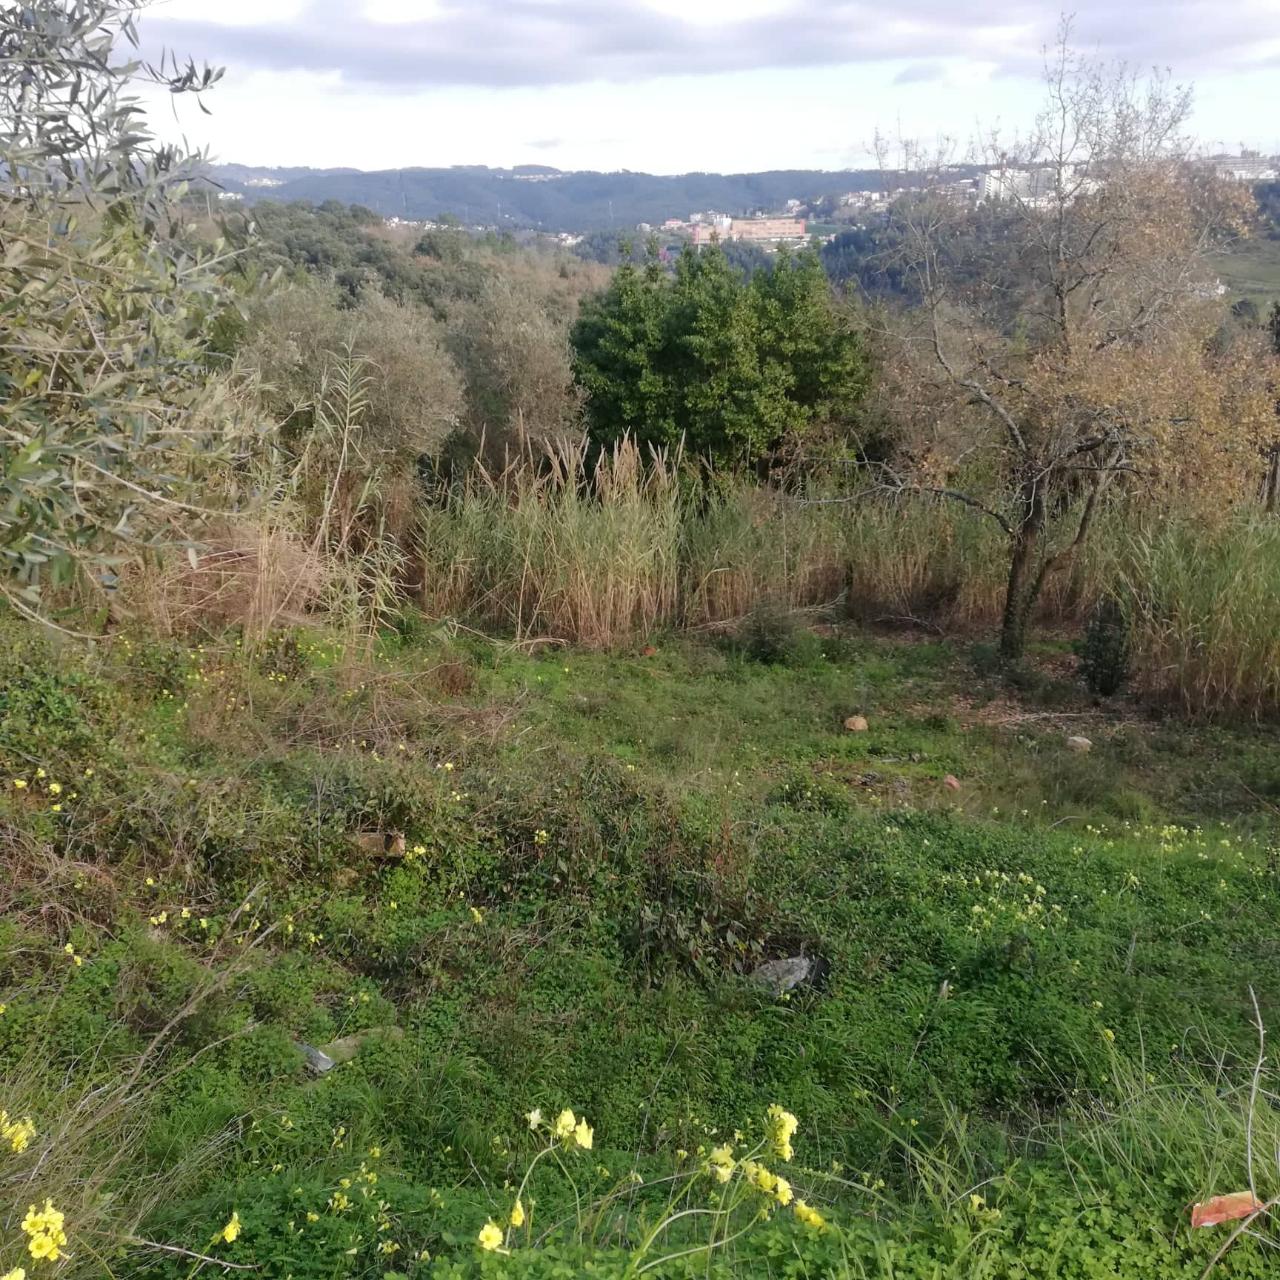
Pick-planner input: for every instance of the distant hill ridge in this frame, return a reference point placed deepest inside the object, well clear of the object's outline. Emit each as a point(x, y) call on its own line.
point(543, 197)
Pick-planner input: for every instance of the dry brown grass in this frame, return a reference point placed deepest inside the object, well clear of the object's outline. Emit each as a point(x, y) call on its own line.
point(253, 574)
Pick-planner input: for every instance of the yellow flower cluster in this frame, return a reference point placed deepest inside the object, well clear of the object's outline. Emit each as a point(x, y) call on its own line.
point(780, 1128)
point(231, 1231)
point(44, 1227)
point(18, 1273)
point(809, 1216)
point(772, 1184)
point(17, 1133)
point(568, 1128)
point(721, 1164)
point(490, 1237)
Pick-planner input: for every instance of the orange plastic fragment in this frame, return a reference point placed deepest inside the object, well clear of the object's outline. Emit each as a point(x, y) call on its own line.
point(1240, 1204)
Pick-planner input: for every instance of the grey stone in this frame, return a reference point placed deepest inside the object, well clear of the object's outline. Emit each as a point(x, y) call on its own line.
point(345, 1049)
point(316, 1059)
point(1076, 743)
point(781, 976)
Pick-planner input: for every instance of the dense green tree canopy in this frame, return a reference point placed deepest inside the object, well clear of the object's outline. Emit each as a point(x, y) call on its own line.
point(732, 368)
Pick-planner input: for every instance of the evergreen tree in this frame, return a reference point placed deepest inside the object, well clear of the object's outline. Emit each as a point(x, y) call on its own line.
point(728, 367)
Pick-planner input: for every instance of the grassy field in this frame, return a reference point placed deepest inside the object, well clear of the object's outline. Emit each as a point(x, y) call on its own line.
point(489, 879)
point(1252, 270)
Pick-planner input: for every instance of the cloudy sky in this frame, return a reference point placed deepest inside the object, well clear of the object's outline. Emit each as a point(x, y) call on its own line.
point(670, 86)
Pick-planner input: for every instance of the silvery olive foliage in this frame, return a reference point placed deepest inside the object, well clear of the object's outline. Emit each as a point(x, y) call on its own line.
point(108, 413)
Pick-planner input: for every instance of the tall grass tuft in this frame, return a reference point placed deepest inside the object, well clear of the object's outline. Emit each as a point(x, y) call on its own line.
point(1206, 615)
point(566, 550)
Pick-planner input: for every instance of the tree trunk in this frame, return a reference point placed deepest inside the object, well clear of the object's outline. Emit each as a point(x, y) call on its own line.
point(1025, 578)
point(1271, 485)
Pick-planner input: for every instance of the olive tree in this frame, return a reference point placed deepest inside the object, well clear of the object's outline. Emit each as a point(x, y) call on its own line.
point(105, 416)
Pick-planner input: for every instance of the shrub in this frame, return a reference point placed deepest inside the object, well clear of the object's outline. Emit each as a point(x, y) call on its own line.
point(415, 395)
point(1104, 651)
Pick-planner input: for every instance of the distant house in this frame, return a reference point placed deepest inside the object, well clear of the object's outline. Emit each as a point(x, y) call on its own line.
point(768, 230)
point(1248, 166)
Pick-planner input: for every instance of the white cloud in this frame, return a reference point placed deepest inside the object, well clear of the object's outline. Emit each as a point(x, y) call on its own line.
point(719, 13)
point(400, 12)
point(227, 13)
point(637, 84)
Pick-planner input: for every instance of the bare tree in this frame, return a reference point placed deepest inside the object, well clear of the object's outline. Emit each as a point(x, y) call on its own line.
point(1061, 340)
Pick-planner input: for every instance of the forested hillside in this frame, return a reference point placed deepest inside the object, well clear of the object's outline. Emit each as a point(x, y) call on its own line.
point(546, 198)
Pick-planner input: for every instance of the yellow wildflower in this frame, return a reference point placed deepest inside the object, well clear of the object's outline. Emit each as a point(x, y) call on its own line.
point(566, 1122)
point(231, 1231)
point(55, 788)
point(19, 784)
point(490, 1237)
point(780, 1127)
point(721, 1163)
point(534, 1118)
point(16, 1274)
point(782, 1190)
point(44, 1246)
point(44, 1226)
point(17, 1133)
point(517, 1213)
point(583, 1134)
point(477, 915)
point(809, 1216)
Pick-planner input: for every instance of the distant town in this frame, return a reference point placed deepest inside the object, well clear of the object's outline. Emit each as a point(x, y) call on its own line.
point(791, 220)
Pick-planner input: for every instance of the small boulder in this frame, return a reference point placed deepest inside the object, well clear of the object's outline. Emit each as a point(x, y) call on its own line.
point(345, 1049)
point(1079, 744)
point(781, 976)
point(856, 724)
point(316, 1059)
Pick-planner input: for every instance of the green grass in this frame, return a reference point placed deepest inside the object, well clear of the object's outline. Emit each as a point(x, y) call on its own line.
point(1252, 270)
point(600, 849)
